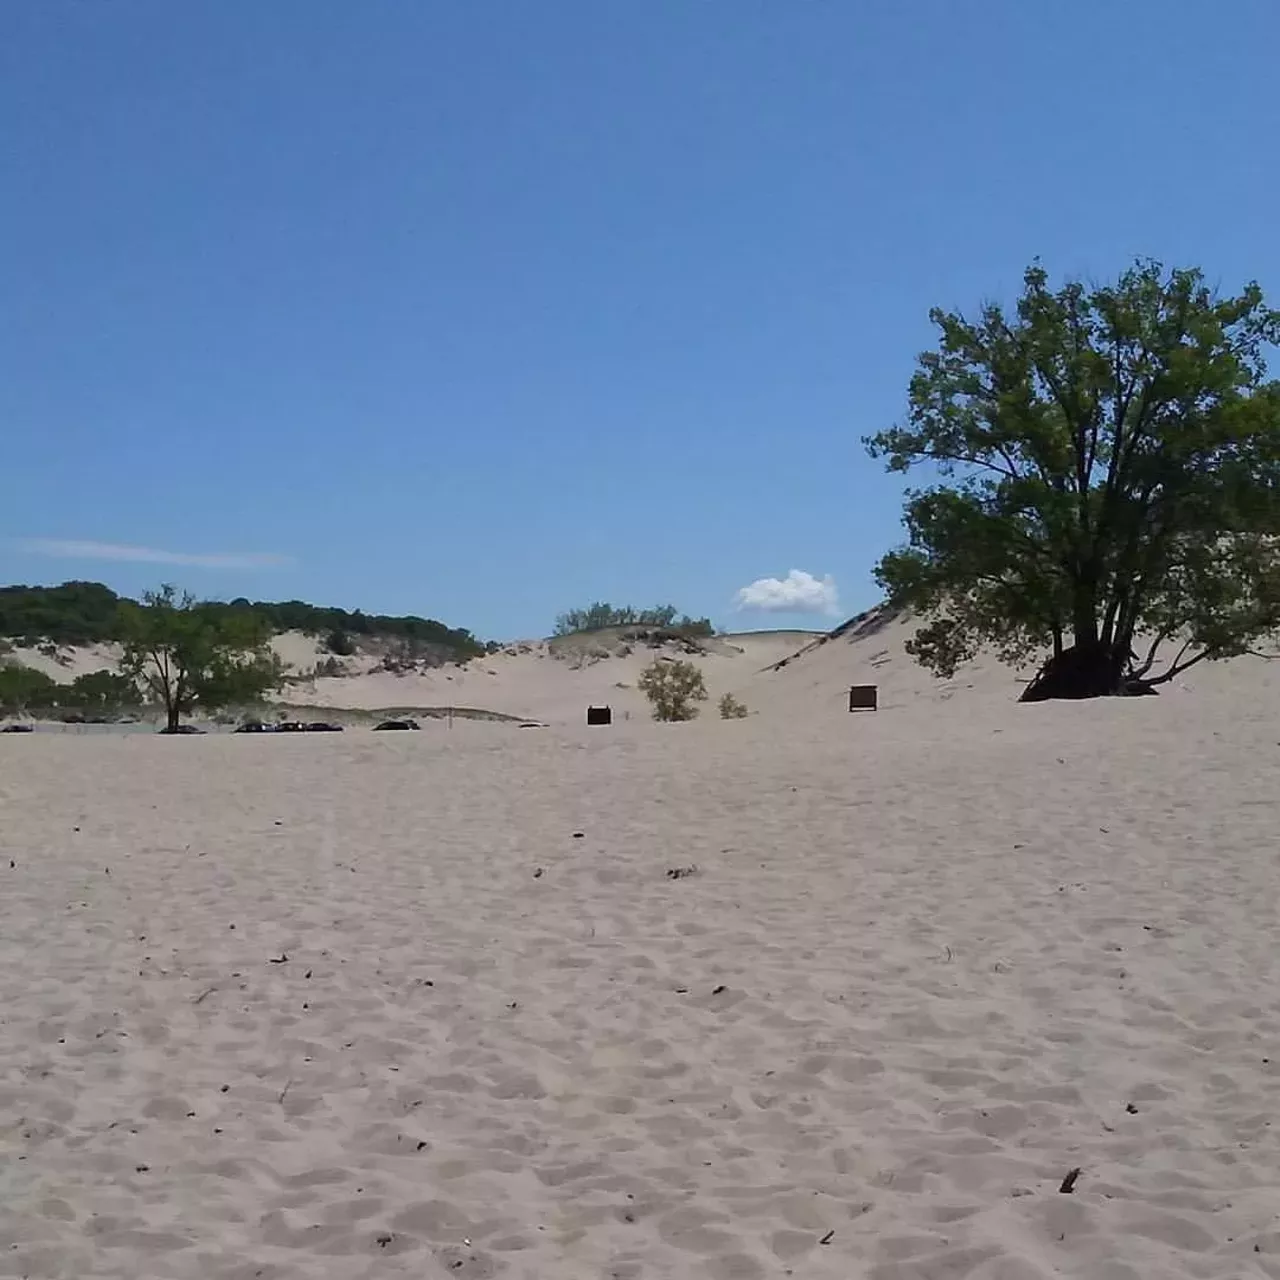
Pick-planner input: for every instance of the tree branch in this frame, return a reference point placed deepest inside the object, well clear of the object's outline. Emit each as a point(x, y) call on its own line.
point(1150, 660)
point(972, 460)
point(1177, 670)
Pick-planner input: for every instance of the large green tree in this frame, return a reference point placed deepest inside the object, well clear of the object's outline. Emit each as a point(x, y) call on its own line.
point(191, 655)
point(1105, 466)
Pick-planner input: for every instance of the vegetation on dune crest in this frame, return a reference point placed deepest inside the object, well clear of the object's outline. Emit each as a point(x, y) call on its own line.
point(74, 613)
point(90, 613)
point(1109, 463)
point(732, 709)
point(673, 687)
point(338, 642)
point(188, 654)
point(598, 616)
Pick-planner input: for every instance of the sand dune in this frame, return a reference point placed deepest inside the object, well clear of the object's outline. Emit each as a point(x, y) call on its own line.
point(537, 679)
point(777, 673)
point(64, 663)
point(355, 1007)
point(540, 680)
point(780, 674)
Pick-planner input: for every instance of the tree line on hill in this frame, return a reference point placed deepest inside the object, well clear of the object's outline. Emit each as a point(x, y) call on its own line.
point(180, 653)
point(78, 613)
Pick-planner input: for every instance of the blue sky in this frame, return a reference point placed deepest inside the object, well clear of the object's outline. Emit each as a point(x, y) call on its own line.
point(486, 310)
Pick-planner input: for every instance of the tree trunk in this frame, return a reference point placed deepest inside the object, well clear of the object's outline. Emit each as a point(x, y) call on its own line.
point(1084, 609)
point(176, 699)
point(1094, 665)
point(1081, 671)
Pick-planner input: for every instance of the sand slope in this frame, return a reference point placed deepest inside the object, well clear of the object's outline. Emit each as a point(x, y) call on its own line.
point(65, 662)
point(539, 680)
point(783, 675)
point(930, 961)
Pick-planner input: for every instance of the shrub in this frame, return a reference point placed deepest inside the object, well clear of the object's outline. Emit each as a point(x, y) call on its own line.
point(732, 709)
point(673, 687)
point(24, 688)
point(339, 642)
point(101, 691)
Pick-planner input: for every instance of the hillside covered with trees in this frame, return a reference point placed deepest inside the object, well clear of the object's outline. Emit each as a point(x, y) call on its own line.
point(91, 613)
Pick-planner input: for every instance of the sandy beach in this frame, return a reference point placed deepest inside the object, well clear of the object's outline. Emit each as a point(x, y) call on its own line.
point(817, 996)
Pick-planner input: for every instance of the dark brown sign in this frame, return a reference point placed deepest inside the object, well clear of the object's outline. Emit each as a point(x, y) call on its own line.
point(862, 697)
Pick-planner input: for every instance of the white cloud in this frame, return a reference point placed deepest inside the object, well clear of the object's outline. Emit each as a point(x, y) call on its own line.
point(798, 592)
point(72, 549)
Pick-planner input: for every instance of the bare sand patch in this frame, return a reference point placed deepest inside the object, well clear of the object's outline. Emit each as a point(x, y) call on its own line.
point(431, 1004)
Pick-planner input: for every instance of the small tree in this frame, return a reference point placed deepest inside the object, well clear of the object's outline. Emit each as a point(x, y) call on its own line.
point(673, 687)
point(732, 709)
point(189, 655)
point(1110, 480)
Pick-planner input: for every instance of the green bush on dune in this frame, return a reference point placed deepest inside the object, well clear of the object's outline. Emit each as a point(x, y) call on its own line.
point(599, 616)
point(101, 692)
point(24, 689)
point(673, 688)
point(340, 643)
